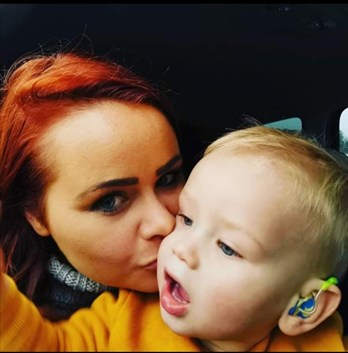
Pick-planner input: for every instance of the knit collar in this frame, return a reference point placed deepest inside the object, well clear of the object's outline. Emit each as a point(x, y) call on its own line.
point(65, 273)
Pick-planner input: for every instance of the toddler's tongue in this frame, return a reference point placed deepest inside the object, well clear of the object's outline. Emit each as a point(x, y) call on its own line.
point(174, 299)
point(179, 293)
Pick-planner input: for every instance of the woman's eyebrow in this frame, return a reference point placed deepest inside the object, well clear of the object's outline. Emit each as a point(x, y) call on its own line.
point(169, 165)
point(108, 184)
point(129, 181)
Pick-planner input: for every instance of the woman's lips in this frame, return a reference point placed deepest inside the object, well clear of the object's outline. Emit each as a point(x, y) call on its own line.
point(151, 266)
point(174, 299)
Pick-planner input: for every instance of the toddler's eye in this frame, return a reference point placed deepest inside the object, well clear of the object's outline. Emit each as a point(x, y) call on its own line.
point(110, 203)
point(186, 220)
point(227, 250)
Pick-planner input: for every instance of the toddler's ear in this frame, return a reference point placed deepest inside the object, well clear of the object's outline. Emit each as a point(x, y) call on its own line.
point(37, 223)
point(326, 304)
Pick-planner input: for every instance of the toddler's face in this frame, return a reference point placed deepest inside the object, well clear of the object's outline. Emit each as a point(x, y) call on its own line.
point(233, 261)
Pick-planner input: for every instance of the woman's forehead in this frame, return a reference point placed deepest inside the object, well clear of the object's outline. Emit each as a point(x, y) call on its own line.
point(109, 138)
point(110, 120)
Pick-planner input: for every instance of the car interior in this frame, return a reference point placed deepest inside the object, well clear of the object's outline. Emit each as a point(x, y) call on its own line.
point(285, 65)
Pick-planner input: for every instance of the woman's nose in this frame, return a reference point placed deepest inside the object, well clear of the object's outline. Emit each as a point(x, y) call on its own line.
point(157, 220)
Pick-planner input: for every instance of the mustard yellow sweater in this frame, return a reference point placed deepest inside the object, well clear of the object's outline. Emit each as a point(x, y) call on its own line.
point(131, 322)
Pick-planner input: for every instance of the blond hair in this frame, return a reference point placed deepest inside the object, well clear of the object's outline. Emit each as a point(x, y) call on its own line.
point(319, 188)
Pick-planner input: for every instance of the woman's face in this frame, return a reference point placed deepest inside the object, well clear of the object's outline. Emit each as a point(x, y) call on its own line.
point(115, 195)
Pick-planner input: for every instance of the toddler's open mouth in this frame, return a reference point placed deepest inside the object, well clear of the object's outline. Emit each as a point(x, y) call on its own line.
point(174, 299)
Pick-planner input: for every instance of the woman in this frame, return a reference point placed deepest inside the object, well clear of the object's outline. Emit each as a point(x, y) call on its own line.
point(90, 171)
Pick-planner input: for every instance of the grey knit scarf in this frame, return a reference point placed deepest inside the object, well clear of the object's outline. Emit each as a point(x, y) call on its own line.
point(64, 273)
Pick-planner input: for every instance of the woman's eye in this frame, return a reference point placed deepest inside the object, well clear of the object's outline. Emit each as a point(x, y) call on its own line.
point(227, 250)
point(171, 179)
point(187, 221)
point(110, 203)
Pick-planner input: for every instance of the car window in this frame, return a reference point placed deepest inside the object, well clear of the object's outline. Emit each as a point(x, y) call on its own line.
point(291, 124)
point(344, 131)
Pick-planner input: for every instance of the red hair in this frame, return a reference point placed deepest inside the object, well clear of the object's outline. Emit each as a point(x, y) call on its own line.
point(36, 93)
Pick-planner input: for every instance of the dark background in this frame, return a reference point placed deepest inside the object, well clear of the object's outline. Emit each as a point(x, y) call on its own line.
point(270, 61)
point(217, 61)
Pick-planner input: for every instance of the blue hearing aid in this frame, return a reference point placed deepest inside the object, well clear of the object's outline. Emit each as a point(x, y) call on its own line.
point(306, 306)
